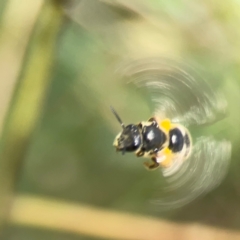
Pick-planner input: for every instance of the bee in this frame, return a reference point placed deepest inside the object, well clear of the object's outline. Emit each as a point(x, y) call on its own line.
point(191, 163)
point(162, 141)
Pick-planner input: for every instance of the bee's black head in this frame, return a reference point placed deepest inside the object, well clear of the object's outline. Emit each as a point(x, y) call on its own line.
point(129, 139)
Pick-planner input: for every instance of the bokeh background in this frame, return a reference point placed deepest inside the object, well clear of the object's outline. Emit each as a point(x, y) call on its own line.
point(60, 177)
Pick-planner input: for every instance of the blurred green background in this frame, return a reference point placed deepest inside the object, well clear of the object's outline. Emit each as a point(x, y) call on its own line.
point(57, 64)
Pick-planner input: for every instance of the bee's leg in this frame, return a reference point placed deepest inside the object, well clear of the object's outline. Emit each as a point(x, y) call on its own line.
point(165, 158)
point(166, 163)
point(153, 165)
point(140, 153)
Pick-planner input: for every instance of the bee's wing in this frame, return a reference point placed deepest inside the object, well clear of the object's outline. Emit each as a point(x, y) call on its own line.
point(203, 171)
point(176, 92)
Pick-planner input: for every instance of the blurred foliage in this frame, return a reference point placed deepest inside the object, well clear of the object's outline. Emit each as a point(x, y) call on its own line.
point(69, 154)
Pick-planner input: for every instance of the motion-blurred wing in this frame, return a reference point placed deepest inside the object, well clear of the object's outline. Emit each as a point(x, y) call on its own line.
point(203, 171)
point(176, 92)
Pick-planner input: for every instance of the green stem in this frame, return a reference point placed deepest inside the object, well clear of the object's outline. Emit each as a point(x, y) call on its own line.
point(28, 99)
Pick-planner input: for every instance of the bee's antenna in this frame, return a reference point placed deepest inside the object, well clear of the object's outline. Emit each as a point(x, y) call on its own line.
point(117, 116)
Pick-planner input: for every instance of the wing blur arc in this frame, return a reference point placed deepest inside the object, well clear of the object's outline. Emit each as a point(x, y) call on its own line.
point(177, 92)
point(202, 172)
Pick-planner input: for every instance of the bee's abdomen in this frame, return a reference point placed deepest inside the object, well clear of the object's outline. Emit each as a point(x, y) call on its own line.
point(187, 141)
point(176, 140)
point(180, 141)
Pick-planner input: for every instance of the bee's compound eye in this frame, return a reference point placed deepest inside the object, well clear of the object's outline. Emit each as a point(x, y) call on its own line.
point(176, 140)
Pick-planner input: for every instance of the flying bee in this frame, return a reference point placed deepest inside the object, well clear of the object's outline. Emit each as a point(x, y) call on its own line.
point(190, 164)
point(163, 142)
